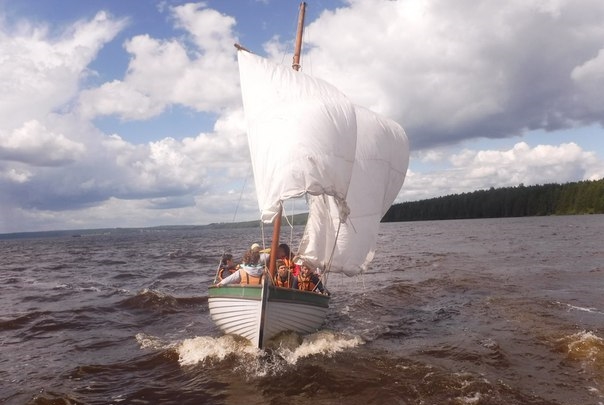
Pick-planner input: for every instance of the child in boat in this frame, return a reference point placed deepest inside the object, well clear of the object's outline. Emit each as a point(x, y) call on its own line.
point(264, 254)
point(284, 254)
point(250, 271)
point(307, 280)
point(284, 277)
point(227, 266)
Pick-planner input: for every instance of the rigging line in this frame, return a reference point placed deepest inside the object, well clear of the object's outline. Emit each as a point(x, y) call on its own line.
point(291, 228)
point(331, 255)
point(262, 234)
point(265, 264)
point(241, 196)
point(219, 264)
point(291, 225)
point(288, 49)
point(306, 58)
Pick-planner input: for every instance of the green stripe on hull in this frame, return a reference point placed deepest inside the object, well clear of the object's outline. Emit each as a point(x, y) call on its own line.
point(251, 292)
point(296, 296)
point(276, 294)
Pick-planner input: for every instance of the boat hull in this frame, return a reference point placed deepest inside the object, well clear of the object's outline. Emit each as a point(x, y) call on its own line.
point(259, 313)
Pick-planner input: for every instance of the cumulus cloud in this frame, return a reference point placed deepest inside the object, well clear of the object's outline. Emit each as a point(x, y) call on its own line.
point(36, 145)
point(161, 73)
point(53, 160)
point(39, 73)
point(452, 71)
point(446, 72)
point(470, 170)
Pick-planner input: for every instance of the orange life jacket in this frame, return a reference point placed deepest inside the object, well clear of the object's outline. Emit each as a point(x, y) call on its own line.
point(287, 283)
point(293, 267)
point(306, 283)
point(225, 272)
point(247, 279)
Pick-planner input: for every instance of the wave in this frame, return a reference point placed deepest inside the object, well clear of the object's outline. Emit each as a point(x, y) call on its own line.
point(284, 351)
point(53, 398)
point(128, 276)
point(583, 309)
point(157, 301)
point(111, 262)
point(21, 321)
point(176, 274)
point(585, 347)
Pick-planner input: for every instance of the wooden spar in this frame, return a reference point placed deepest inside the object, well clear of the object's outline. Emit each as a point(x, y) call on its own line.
point(277, 223)
point(298, 45)
point(272, 268)
point(242, 48)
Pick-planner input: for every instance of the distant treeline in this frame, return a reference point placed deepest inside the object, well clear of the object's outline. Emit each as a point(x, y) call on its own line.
point(583, 197)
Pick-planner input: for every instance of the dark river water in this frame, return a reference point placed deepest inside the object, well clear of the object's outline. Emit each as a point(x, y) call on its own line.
point(494, 311)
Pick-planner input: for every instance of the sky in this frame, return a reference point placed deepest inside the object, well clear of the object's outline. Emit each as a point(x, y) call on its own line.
point(128, 113)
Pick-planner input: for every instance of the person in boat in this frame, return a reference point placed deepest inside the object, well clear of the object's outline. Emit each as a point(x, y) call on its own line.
point(307, 280)
point(284, 254)
point(284, 277)
point(227, 266)
point(250, 272)
point(264, 253)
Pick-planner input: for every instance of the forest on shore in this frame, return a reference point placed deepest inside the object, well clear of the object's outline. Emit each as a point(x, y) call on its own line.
point(583, 197)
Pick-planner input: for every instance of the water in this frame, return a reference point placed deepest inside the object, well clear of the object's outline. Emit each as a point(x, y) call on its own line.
point(497, 311)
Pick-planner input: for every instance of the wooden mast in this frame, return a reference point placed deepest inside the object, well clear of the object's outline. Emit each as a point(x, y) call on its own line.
point(299, 31)
point(296, 66)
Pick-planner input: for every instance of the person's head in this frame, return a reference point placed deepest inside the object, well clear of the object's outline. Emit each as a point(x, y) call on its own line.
point(227, 258)
point(306, 268)
point(281, 268)
point(283, 251)
point(251, 257)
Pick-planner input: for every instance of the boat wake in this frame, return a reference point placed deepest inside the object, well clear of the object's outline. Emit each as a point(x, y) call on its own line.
point(587, 348)
point(284, 351)
point(583, 309)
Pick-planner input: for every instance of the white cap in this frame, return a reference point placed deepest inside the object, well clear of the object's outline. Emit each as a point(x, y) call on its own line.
point(255, 247)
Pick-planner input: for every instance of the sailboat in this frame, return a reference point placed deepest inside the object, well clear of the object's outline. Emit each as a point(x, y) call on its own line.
point(307, 139)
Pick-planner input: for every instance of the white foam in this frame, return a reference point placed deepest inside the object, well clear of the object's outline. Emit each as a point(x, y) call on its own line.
point(319, 343)
point(473, 399)
point(204, 348)
point(152, 342)
point(584, 309)
point(586, 347)
point(285, 350)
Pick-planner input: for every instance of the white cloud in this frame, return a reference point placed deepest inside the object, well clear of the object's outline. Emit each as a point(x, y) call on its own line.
point(452, 71)
point(589, 77)
point(40, 73)
point(53, 160)
point(471, 170)
point(161, 73)
point(447, 72)
point(36, 145)
point(119, 98)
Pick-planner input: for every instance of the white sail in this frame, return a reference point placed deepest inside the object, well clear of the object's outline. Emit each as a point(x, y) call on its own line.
point(301, 134)
point(306, 138)
point(382, 157)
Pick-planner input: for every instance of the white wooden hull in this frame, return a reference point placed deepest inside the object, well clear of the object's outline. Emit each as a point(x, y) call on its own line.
point(259, 313)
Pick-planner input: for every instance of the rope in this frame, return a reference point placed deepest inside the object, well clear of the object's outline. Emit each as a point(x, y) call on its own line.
point(218, 269)
point(240, 196)
point(328, 268)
